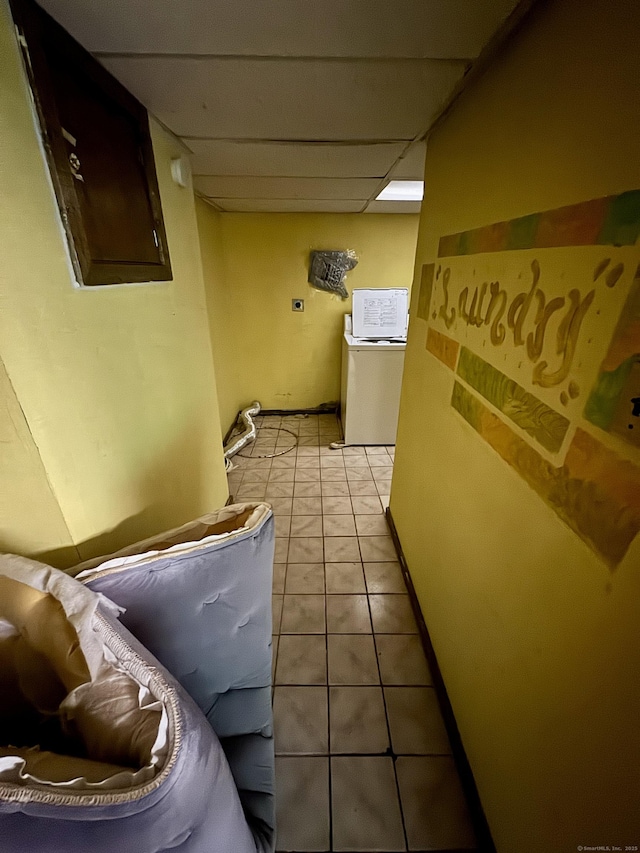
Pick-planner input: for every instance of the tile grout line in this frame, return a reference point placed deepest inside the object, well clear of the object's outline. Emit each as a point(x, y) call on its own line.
point(326, 645)
point(386, 716)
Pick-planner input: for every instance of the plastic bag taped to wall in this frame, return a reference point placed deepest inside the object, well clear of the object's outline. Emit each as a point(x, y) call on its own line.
point(328, 270)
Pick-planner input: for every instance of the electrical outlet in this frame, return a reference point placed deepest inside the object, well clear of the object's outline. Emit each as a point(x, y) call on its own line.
point(297, 304)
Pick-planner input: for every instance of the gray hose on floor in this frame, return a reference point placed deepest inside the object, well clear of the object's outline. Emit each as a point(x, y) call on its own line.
point(235, 444)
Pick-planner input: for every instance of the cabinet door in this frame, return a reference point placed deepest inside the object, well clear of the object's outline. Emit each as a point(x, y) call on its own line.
point(98, 145)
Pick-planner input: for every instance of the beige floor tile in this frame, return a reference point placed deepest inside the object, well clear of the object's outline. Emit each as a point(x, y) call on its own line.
point(344, 577)
point(401, 660)
point(379, 461)
point(392, 614)
point(383, 473)
point(352, 659)
point(307, 506)
point(306, 549)
point(305, 450)
point(250, 464)
point(354, 456)
point(281, 475)
point(281, 506)
point(303, 614)
point(307, 490)
point(337, 489)
point(415, 721)
point(341, 549)
point(305, 578)
point(282, 525)
point(252, 489)
point(302, 659)
point(234, 481)
point(301, 722)
point(286, 461)
point(302, 799)
point(354, 450)
point(384, 577)
point(332, 433)
point(359, 474)
point(327, 450)
point(306, 525)
point(250, 499)
point(307, 475)
point(279, 490)
point(308, 429)
point(377, 549)
point(279, 572)
point(334, 461)
point(339, 505)
point(309, 463)
point(256, 475)
point(348, 614)
point(281, 550)
point(264, 447)
point(372, 525)
point(339, 525)
point(276, 610)
point(435, 811)
point(357, 720)
point(287, 443)
point(364, 801)
point(362, 487)
point(384, 500)
point(376, 450)
point(333, 475)
point(383, 487)
point(366, 504)
point(308, 441)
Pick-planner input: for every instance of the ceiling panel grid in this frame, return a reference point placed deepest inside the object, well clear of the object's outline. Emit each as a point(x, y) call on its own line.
point(291, 105)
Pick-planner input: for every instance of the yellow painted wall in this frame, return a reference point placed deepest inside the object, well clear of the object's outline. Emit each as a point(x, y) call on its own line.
point(116, 384)
point(263, 349)
point(30, 518)
point(537, 638)
point(225, 340)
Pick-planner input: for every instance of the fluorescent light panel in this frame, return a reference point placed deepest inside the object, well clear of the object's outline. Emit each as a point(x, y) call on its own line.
point(402, 191)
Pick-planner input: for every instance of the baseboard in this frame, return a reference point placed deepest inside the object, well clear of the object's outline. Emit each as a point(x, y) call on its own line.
point(325, 409)
point(478, 817)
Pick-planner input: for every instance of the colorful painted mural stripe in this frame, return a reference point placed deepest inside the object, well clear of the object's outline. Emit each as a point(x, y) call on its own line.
point(443, 347)
point(609, 221)
point(542, 423)
point(426, 289)
point(614, 402)
point(594, 492)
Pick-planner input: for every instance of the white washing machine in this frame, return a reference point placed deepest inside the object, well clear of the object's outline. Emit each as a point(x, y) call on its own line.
point(370, 388)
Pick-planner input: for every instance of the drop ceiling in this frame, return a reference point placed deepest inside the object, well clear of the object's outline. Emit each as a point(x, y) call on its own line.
point(291, 105)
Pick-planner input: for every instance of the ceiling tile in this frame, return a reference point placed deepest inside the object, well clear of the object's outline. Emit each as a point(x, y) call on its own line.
point(411, 167)
point(263, 205)
point(409, 28)
point(393, 207)
point(285, 188)
point(308, 160)
point(290, 99)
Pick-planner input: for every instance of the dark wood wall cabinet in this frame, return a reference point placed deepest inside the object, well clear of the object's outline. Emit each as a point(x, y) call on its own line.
point(97, 140)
